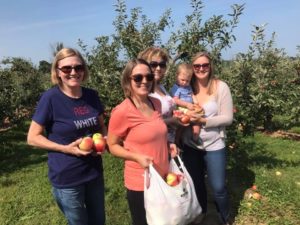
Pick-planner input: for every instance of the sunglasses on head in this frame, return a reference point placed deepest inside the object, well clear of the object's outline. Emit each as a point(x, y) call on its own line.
point(138, 78)
point(154, 64)
point(198, 66)
point(68, 69)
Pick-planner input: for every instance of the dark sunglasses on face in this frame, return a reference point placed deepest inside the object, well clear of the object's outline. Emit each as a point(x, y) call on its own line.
point(154, 64)
point(198, 66)
point(138, 78)
point(68, 69)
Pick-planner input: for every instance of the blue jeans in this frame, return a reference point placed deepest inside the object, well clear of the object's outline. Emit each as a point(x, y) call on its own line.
point(196, 161)
point(83, 204)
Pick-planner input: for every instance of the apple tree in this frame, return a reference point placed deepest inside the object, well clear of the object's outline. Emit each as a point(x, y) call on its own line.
point(21, 85)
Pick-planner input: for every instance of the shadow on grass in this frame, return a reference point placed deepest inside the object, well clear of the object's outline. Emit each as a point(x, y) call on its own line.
point(249, 154)
point(15, 154)
point(239, 176)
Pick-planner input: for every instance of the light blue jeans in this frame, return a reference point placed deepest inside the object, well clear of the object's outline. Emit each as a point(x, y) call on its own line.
point(84, 204)
point(214, 163)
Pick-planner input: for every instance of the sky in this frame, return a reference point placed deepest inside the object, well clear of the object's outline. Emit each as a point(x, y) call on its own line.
point(28, 28)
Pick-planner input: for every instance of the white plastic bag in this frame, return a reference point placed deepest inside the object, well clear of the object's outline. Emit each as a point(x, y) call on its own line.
point(170, 205)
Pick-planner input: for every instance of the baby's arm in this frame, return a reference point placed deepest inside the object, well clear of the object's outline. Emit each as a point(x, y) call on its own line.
point(182, 103)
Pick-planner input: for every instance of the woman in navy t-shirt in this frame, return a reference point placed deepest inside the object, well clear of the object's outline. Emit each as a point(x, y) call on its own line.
point(66, 113)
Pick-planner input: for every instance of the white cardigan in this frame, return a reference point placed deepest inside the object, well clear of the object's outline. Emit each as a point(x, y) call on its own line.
point(223, 119)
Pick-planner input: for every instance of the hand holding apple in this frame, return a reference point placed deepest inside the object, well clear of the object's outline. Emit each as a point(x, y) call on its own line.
point(86, 144)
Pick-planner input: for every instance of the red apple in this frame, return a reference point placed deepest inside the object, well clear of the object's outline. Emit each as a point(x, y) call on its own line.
point(86, 144)
point(172, 179)
point(185, 119)
point(177, 113)
point(254, 187)
point(97, 136)
point(99, 144)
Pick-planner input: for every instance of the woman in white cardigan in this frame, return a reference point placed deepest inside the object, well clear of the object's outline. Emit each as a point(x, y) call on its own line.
point(209, 152)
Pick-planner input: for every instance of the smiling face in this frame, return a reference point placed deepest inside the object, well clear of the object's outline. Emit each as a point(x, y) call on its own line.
point(73, 78)
point(201, 67)
point(142, 87)
point(159, 69)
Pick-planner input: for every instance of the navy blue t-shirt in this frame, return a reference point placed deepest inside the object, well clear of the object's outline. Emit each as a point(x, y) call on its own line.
point(65, 120)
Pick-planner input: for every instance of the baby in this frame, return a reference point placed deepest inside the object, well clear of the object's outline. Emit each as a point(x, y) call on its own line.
point(183, 96)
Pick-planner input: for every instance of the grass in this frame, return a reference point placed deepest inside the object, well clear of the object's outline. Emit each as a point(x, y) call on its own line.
point(25, 192)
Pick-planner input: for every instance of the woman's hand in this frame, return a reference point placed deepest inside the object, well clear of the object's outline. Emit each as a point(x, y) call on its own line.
point(73, 149)
point(144, 160)
point(173, 150)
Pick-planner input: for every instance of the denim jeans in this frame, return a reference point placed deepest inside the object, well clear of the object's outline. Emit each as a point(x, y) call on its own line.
point(83, 204)
point(214, 163)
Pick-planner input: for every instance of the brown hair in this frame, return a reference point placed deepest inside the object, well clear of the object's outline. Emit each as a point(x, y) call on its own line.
point(126, 76)
point(62, 54)
point(211, 76)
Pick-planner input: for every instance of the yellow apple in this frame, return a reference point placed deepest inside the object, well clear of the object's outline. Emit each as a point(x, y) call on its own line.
point(172, 179)
point(278, 173)
point(256, 196)
point(86, 144)
point(97, 136)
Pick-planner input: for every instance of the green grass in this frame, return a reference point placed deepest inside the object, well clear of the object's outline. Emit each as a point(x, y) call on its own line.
point(256, 162)
point(295, 130)
point(25, 195)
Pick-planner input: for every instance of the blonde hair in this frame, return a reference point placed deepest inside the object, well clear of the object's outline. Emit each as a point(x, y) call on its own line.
point(62, 54)
point(211, 77)
point(186, 68)
point(151, 52)
point(126, 76)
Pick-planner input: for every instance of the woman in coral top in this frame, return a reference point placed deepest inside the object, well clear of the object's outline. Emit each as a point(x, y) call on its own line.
point(138, 134)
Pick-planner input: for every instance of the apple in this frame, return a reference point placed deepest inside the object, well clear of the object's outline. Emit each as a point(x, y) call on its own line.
point(99, 144)
point(97, 136)
point(177, 113)
point(172, 179)
point(254, 187)
point(256, 196)
point(185, 119)
point(249, 204)
point(278, 173)
point(86, 144)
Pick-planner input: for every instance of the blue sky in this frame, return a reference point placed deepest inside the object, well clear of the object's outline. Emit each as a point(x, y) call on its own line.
point(29, 27)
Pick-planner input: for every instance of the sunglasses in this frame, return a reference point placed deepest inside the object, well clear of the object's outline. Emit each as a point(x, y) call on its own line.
point(138, 78)
point(154, 64)
point(198, 66)
point(68, 69)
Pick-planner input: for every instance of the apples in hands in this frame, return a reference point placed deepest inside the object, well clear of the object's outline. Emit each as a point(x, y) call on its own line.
point(86, 144)
point(172, 179)
point(99, 142)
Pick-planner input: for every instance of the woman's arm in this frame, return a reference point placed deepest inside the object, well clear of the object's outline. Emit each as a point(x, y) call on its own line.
point(115, 147)
point(103, 128)
point(35, 137)
point(225, 110)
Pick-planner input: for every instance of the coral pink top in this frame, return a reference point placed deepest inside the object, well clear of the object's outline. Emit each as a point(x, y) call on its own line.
point(144, 135)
